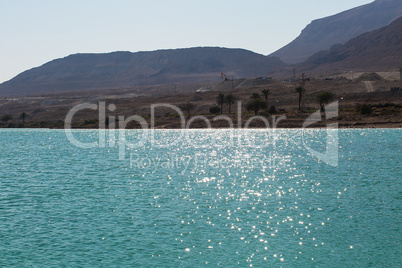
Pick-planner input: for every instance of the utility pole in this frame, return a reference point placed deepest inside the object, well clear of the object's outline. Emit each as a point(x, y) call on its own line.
point(294, 75)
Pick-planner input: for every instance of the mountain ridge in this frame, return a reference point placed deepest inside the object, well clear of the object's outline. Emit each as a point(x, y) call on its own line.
point(323, 33)
point(128, 69)
point(378, 49)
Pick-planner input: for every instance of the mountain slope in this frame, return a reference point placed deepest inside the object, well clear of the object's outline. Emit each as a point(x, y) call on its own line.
point(379, 49)
point(126, 69)
point(323, 33)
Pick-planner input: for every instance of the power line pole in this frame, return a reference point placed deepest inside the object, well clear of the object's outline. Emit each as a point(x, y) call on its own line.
point(294, 75)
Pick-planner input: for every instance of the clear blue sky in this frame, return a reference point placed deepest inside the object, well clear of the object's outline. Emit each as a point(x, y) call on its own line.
point(35, 32)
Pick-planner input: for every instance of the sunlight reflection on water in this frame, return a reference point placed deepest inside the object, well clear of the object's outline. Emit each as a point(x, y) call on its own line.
point(196, 205)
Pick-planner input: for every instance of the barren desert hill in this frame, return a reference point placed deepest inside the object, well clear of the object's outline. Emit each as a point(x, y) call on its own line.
point(377, 50)
point(119, 70)
point(323, 33)
point(125, 69)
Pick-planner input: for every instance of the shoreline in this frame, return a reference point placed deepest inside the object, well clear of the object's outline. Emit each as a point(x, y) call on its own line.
point(383, 107)
point(358, 125)
point(345, 120)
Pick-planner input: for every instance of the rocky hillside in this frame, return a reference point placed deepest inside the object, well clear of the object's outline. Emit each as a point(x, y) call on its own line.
point(323, 33)
point(125, 69)
point(376, 50)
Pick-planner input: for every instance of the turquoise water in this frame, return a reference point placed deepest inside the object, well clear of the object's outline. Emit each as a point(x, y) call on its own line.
point(205, 203)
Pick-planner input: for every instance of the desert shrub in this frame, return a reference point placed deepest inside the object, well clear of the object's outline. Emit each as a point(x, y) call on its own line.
point(214, 110)
point(7, 118)
point(187, 107)
point(90, 122)
point(358, 107)
point(255, 105)
point(365, 109)
point(388, 104)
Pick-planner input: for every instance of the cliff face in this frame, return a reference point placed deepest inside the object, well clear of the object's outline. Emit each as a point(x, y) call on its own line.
point(323, 33)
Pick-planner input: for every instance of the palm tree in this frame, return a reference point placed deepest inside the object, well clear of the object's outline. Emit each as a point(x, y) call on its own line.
point(23, 116)
point(229, 100)
point(301, 91)
point(255, 96)
point(324, 98)
point(266, 93)
point(221, 100)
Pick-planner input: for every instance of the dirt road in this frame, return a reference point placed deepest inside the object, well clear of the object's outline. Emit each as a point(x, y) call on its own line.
point(369, 86)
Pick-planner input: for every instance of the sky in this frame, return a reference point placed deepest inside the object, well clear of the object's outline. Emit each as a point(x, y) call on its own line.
point(35, 32)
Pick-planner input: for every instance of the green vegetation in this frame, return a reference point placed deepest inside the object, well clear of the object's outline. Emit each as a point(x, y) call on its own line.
point(188, 107)
point(23, 116)
point(6, 118)
point(380, 109)
point(364, 109)
point(300, 90)
point(266, 93)
point(220, 100)
point(214, 110)
point(324, 98)
point(229, 100)
point(388, 104)
point(255, 96)
point(256, 104)
point(272, 109)
point(91, 122)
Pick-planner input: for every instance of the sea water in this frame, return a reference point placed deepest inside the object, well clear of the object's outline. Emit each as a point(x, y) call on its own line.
point(212, 198)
